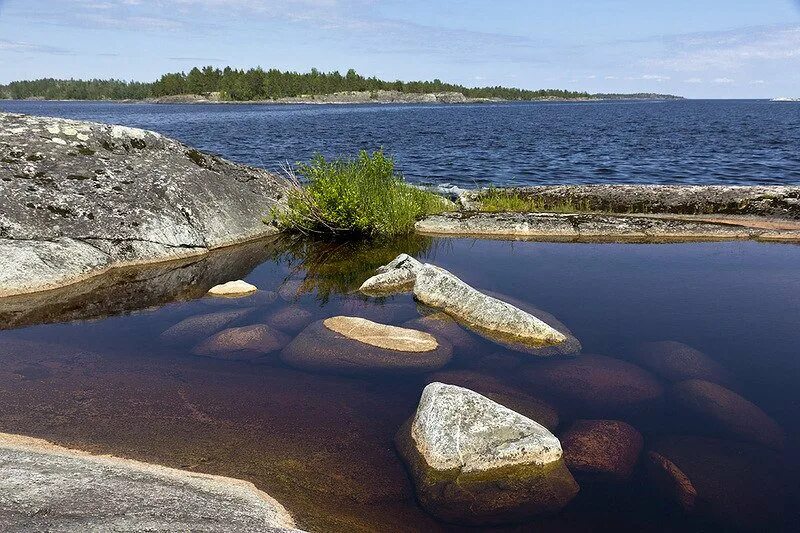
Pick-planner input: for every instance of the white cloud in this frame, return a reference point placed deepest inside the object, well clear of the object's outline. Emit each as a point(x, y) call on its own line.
point(693, 80)
point(729, 50)
point(723, 81)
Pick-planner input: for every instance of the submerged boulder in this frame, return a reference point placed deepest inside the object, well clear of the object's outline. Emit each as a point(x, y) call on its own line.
point(353, 345)
point(291, 318)
point(732, 484)
point(242, 344)
point(476, 462)
point(78, 198)
point(441, 324)
point(494, 389)
point(593, 385)
point(726, 411)
point(489, 316)
point(196, 327)
point(232, 289)
point(44, 487)
point(602, 449)
point(675, 361)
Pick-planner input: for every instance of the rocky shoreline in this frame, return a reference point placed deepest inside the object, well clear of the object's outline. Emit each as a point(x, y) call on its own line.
point(644, 213)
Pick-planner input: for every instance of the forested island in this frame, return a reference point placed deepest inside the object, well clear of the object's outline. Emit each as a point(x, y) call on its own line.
point(257, 84)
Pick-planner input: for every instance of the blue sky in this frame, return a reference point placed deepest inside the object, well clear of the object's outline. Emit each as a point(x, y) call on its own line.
point(699, 48)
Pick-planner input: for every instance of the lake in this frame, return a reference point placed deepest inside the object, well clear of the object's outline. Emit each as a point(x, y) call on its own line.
point(90, 367)
point(692, 142)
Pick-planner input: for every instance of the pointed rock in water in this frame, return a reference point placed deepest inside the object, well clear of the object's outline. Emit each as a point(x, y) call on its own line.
point(476, 462)
point(728, 412)
point(492, 318)
point(356, 346)
point(739, 486)
point(233, 289)
point(675, 361)
point(397, 276)
point(242, 344)
point(44, 487)
point(196, 327)
point(604, 449)
point(491, 387)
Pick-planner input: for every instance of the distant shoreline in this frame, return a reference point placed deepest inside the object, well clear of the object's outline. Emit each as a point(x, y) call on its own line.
point(360, 98)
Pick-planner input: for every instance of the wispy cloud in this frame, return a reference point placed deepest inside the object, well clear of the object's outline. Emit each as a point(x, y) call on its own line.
point(22, 47)
point(729, 50)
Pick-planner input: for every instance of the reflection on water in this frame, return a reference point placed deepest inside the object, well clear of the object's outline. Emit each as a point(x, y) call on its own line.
point(727, 418)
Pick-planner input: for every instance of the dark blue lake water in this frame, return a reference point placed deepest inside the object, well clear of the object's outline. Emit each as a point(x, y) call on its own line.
point(693, 141)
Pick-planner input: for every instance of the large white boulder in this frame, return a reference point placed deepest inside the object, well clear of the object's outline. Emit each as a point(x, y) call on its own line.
point(474, 461)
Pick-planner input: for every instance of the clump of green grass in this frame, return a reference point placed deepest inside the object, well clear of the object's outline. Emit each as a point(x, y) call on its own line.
point(495, 200)
point(360, 196)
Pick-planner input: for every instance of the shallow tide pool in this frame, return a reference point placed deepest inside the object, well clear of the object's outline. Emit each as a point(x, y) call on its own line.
point(103, 378)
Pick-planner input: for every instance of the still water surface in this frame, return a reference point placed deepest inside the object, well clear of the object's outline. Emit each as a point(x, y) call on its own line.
point(693, 142)
point(322, 444)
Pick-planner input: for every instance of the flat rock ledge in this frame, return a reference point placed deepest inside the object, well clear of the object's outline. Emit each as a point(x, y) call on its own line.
point(78, 198)
point(44, 487)
point(476, 462)
point(606, 227)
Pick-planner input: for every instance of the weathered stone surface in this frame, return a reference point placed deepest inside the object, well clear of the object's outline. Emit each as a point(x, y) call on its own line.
point(776, 201)
point(321, 349)
point(508, 396)
point(397, 276)
point(489, 316)
point(77, 198)
point(138, 287)
point(600, 227)
point(242, 344)
point(605, 449)
point(232, 289)
point(381, 335)
point(728, 412)
point(196, 327)
point(441, 324)
point(736, 485)
point(675, 361)
point(593, 385)
point(44, 487)
point(476, 462)
point(291, 318)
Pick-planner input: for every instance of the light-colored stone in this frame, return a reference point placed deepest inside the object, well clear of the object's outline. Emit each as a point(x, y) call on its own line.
point(44, 487)
point(321, 349)
point(502, 393)
point(233, 289)
point(244, 343)
point(486, 315)
point(397, 276)
point(72, 210)
point(382, 335)
point(442, 324)
point(477, 462)
point(725, 410)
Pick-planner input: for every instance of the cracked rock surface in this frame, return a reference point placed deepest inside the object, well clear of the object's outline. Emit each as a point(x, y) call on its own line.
point(77, 198)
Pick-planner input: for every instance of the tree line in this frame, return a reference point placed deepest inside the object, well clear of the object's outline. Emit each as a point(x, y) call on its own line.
point(254, 84)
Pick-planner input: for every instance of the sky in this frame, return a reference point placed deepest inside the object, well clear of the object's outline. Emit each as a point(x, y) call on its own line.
point(697, 48)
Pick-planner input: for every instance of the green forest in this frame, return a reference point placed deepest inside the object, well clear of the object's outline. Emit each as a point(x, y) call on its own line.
point(253, 84)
